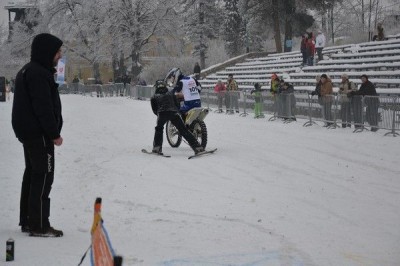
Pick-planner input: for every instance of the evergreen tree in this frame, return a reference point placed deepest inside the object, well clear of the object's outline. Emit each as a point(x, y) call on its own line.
point(233, 28)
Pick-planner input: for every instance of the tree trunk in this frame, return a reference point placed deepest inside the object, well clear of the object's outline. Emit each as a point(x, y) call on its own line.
point(136, 66)
point(96, 70)
point(362, 15)
point(277, 28)
point(290, 8)
point(332, 26)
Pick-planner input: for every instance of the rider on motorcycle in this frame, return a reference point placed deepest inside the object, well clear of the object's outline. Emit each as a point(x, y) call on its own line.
point(165, 105)
point(185, 87)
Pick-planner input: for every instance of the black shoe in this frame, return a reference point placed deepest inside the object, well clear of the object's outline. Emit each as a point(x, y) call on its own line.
point(237, 111)
point(47, 232)
point(25, 229)
point(374, 129)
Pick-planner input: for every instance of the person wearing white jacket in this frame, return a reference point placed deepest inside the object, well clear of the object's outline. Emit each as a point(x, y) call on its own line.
point(320, 44)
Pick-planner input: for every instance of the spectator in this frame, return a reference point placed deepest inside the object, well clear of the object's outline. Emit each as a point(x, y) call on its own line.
point(327, 98)
point(99, 87)
point(303, 49)
point(317, 92)
point(274, 89)
point(288, 100)
point(220, 90)
point(320, 44)
point(75, 84)
point(310, 48)
point(381, 32)
point(141, 82)
point(197, 71)
point(37, 123)
point(258, 101)
point(233, 94)
point(12, 85)
point(345, 87)
point(368, 91)
point(8, 92)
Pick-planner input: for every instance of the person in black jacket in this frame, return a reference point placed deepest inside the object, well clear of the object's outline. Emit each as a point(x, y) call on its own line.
point(37, 123)
point(166, 106)
point(197, 71)
point(371, 101)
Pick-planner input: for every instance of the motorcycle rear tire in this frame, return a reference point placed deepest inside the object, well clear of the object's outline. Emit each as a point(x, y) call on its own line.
point(199, 129)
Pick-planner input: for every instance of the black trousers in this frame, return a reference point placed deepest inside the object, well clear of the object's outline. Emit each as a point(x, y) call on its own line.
point(177, 121)
point(36, 183)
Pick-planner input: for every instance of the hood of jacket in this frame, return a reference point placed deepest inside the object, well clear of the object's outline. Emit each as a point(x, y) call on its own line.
point(44, 48)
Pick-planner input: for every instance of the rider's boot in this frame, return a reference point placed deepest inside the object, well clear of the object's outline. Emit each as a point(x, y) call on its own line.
point(157, 149)
point(198, 149)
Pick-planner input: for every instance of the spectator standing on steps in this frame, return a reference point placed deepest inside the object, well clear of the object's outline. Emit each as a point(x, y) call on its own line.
point(320, 44)
point(381, 32)
point(310, 48)
point(37, 123)
point(197, 71)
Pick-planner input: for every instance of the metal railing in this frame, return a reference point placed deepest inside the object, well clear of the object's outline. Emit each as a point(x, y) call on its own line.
point(333, 111)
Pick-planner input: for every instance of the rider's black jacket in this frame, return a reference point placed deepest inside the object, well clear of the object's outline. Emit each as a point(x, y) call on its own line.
point(164, 103)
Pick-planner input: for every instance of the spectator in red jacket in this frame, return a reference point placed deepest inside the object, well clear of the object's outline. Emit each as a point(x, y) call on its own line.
point(310, 48)
point(220, 89)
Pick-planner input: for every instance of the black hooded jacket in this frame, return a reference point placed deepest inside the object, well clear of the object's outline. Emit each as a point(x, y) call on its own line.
point(36, 111)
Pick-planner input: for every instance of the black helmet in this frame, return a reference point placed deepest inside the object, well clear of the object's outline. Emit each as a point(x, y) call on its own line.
point(161, 87)
point(257, 85)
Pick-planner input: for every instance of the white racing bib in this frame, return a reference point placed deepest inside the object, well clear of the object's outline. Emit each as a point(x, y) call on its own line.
point(189, 89)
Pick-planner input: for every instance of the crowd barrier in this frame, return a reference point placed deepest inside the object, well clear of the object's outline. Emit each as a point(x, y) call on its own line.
point(358, 112)
point(97, 90)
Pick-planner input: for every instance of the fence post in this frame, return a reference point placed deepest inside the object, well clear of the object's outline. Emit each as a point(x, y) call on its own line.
point(310, 122)
point(275, 107)
point(208, 99)
point(334, 122)
point(393, 132)
point(244, 104)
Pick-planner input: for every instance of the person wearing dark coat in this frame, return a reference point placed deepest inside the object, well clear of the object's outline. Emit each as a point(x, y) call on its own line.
point(197, 71)
point(37, 122)
point(165, 105)
point(368, 92)
point(286, 92)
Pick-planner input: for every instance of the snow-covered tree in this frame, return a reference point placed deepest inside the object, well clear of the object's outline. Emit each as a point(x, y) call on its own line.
point(233, 28)
point(132, 24)
point(81, 24)
point(201, 21)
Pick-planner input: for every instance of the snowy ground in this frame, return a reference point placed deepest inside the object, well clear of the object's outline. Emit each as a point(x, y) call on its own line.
point(273, 194)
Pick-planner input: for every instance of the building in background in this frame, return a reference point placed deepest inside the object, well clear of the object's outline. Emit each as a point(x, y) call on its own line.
point(22, 11)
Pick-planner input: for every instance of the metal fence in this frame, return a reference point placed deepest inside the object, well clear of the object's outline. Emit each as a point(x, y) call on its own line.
point(332, 111)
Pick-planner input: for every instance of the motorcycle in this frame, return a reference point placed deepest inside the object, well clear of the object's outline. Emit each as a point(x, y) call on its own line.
point(194, 120)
